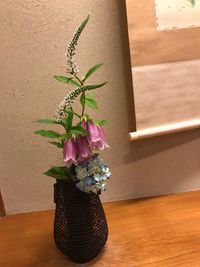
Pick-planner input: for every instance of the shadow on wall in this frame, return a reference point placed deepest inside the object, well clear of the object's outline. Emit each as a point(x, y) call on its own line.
point(127, 67)
point(151, 146)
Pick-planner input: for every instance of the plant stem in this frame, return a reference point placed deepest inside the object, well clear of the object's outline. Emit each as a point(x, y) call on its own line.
point(83, 110)
point(79, 80)
point(77, 115)
point(83, 106)
point(63, 126)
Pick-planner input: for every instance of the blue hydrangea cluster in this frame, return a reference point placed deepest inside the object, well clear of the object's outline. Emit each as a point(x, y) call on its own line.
point(92, 175)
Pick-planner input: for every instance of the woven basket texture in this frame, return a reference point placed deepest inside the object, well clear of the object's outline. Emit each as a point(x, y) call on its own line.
point(80, 226)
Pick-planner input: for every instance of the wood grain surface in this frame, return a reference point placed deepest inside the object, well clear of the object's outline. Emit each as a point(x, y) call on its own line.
point(153, 232)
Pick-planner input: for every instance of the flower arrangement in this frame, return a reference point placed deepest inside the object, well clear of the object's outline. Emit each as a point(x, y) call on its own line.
point(83, 135)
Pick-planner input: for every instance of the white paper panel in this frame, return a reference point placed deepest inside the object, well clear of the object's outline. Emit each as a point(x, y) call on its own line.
point(177, 14)
point(166, 93)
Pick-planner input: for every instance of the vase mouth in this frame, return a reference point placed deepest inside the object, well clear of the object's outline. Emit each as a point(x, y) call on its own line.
point(65, 182)
point(67, 186)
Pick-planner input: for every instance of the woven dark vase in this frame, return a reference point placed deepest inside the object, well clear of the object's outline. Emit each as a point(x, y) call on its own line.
point(80, 226)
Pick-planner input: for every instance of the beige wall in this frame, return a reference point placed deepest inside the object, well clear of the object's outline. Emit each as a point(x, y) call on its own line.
point(33, 39)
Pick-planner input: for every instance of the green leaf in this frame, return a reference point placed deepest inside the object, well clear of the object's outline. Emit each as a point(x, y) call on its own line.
point(58, 144)
point(91, 71)
point(82, 99)
point(47, 121)
point(91, 103)
point(48, 133)
point(78, 130)
point(63, 137)
point(82, 89)
point(101, 122)
point(69, 119)
point(90, 95)
point(71, 111)
point(93, 86)
point(60, 173)
point(64, 79)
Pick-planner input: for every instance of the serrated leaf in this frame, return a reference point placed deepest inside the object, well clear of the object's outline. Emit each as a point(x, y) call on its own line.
point(58, 144)
point(91, 103)
point(78, 130)
point(60, 173)
point(64, 79)
point(91, 71)
point(48, 133)
point(47, 121)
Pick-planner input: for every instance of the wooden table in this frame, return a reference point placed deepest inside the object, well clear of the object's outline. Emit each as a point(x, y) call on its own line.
point(153, 232)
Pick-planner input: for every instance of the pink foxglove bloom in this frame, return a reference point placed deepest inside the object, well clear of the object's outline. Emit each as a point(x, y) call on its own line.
point(96, 136)
point(70, 152)
point(84, 151)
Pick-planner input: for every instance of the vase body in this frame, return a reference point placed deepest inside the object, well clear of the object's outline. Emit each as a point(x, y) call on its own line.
point(80, 226)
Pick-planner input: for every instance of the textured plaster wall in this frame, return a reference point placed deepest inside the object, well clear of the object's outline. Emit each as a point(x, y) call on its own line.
point(34, 35)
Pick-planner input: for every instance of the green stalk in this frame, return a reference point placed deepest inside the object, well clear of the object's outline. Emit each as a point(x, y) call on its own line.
point(79, 80)
point(83, 110)
point(64, 126)
point(77, 115)
point(83, 106)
